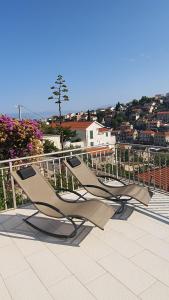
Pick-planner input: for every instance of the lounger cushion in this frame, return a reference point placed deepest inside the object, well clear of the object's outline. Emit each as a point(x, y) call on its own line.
point(25, 173)
point(73, 162)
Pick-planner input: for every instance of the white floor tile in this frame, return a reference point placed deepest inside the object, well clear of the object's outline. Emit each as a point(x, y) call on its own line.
point(48, 267)
point(157, 246)
point(130, 231)
point(157, 291)
point(94, 247)
point(150, 225)
point(121, 243)
point(154, 265)
point(4, 294)
point(128, 273)
point(70, 288)
point(28, 245)
point(4, 238)
point(81, 265)
point(11, 261)
point(27, 286)
point(106, 287)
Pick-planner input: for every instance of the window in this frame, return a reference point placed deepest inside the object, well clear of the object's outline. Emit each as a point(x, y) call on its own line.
point(91, 134)
point(106, 133)
point(91, 144)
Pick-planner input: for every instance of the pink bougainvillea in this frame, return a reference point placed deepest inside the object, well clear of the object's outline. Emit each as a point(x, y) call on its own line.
point(19, 138)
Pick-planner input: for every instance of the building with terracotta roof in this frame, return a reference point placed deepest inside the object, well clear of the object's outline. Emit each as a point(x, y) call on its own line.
point(154, 124)
point(161, 138)
point(90, 133)
point(163, 116)
point(146, 136)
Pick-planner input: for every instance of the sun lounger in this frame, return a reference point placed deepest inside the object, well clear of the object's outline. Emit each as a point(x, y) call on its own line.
point(96, 187)
point(48, 202)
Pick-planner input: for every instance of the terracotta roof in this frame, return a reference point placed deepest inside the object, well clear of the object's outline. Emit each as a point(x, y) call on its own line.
point(73, 125)
point(103, 129)
point(158, 177)
point(163, 113)
point(99, 150)
point(166, 133)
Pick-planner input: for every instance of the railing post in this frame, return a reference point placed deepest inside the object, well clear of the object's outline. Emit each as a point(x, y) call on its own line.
point(12, 184)
point(4, 189)
point(73, 185)
point(116, 162)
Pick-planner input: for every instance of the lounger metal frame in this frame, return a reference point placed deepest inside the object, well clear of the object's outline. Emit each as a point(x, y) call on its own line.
point(69, 218)
point(117, 199)
point(56, 235)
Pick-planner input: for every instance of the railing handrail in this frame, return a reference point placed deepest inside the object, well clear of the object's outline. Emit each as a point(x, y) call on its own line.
point(51, 154)
point(142, 145)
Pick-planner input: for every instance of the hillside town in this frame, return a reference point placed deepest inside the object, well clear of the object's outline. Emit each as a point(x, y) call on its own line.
point(144, 121)
point(84, 150)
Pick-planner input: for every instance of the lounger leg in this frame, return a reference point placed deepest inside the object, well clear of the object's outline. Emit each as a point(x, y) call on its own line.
point(72, 234)
point(121, 208)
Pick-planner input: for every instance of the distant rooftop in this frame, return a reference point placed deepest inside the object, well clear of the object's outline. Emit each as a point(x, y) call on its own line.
point(163, 112)
point(73, 125)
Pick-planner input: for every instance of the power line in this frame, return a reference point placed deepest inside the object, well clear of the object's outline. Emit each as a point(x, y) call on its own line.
point(27, 109)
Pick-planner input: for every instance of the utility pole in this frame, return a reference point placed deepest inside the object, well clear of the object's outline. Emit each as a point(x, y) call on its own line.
point(19, 107)
point(59, 95)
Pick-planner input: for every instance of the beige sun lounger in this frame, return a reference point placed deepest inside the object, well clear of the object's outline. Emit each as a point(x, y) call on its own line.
point(93, 185)
point(45, 199)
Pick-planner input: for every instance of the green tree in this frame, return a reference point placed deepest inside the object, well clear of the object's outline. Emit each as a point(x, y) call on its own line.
point(88, 116)
point(48, 147)
point(100, 116)
point(59, 91)
point(67, 133)
point(117, 107)
point(135, 102)
point(145, 99)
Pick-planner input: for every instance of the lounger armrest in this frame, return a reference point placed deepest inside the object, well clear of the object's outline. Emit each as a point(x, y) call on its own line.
point(73, 192)
point(110, 177)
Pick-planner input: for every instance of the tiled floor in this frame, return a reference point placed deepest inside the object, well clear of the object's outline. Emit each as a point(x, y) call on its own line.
point(128, 260)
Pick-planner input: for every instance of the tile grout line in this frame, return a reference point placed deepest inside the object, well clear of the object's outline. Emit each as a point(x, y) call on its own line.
point(148, 250)
point(150, 287)
point(108, 272)
point(157, 279)
point(30, 266)
point(9, 293)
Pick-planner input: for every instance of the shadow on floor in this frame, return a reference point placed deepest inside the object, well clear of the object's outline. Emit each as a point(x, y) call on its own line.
point(128, 210)
point(12, 225)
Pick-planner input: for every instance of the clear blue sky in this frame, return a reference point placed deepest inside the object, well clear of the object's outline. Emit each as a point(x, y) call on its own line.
point(107, 51)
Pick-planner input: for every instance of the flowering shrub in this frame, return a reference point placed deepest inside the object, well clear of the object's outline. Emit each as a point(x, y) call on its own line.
point(19, 138)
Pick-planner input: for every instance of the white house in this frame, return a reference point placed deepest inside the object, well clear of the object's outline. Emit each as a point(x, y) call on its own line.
point(53, 138)
point(91, 133)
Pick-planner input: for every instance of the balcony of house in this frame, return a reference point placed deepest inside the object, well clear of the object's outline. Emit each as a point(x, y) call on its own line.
point(128, 260)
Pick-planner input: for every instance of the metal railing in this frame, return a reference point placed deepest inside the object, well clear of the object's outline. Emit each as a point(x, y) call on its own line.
point(53, 168)
point(132, 163)
point(144, 165)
